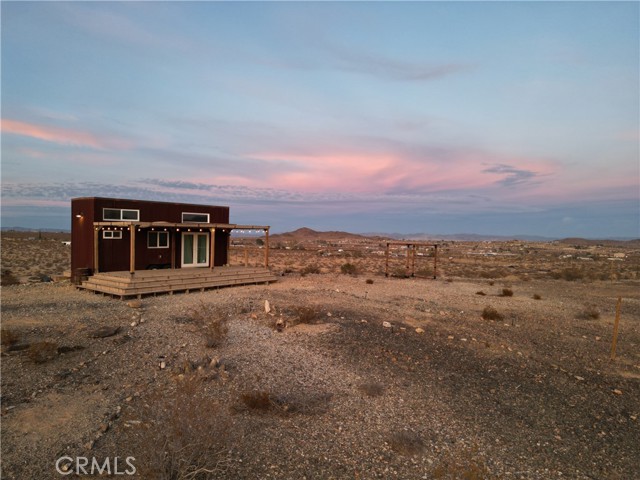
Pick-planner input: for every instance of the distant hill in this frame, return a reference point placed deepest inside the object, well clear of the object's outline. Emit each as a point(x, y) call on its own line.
point(584, 242)
point(467, 237)
point(308, 234)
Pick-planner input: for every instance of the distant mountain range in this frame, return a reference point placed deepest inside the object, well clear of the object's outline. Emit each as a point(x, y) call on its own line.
point(308, 234)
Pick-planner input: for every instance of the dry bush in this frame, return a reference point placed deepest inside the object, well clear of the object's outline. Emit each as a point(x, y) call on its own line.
point(214, 323)
point(369, 281)
point(8, 337)
point(257, 400)
point(307, 314)
point(41, 352)
point(490, 313)
point(537, 297)
point(406, 442)
point(507, 292)
point(590, 312)
point(310, 269)
point(495, 273)
point(8, 278)
point(568, 274)
point(372, 389)
point(348, 269)
point(480, 293)
point(184, 434)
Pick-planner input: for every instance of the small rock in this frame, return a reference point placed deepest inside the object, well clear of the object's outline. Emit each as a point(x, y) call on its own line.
point(617, 391)
point(104, 332)
point(133, 324)
point(450, 337)
point(463, 339)
point(267, 307)
point(597, 339)
point(162, 365)
point(254, 316)
point(328, 314)
point(135, 304)
point(419, 330)
point(88, 445)
point(579, 378)
point(386, 325)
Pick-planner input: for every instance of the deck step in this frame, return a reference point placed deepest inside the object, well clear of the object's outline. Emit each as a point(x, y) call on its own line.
point(151, 282)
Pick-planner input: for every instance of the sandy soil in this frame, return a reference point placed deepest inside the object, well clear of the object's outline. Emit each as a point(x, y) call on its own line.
point(368, 377)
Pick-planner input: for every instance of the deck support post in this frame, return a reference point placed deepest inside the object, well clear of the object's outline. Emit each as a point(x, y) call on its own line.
point(96, 251)
point(266, 247)
point(413, 261)
point(132, 250)
point(213, 248)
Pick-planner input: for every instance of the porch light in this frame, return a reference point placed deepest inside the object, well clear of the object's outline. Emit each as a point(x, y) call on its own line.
point(80, 215)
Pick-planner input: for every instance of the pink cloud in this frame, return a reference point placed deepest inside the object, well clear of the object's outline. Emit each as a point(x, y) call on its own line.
point(59, 135)
point(400, 172)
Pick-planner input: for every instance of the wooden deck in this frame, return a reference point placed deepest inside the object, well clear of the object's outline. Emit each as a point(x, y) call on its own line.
point(151, 282)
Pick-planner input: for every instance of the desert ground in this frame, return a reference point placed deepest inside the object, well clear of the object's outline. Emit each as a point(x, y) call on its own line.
point(498, 368)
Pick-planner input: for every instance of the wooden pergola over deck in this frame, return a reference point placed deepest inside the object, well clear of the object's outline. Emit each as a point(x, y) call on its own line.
point(211, 227)
point(411, 256)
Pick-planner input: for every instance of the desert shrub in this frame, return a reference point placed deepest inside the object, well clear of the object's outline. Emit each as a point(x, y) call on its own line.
point(424, 272)
point(537, 297)
point(8, 337)
point(214, 323)
point(348, 268)
point(495, 273)
point(590, 312)
point(400, 272)
point(491, 283)
point(8, 278)
point(406, 442)
point(41, 352)
point(257, 400)
point(568, 274)
point(369, 281)
point(307, 314)
point(372, 389)
point(507, 292)
point(480, 293)
point(184, 434)
point(490, 313)
point(310, 269)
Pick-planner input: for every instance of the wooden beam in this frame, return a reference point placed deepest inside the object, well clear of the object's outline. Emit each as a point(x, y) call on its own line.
point(173, 249)
point(266, 247)
point(413, 261)
point(213, 248)
point(132, 250)
point(96, 250)
point(386, 261)
point(435, 262)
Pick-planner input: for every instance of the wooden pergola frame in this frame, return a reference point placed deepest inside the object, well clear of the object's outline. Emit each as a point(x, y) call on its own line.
point(411, 256)
point(211, 227)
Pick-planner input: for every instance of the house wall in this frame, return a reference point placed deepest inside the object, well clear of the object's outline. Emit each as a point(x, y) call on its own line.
point(114, 254)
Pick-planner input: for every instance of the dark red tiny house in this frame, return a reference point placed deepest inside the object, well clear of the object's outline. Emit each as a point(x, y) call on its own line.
point(166, 235)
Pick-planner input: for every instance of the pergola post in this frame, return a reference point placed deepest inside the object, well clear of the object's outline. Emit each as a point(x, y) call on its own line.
point(413, 261)
point(386, 261)
point(435, 262)
point(132, 250)
point(266, 247)
point(213, 248)
point(96, 250)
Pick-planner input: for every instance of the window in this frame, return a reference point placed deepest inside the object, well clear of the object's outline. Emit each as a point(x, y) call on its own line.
point(120, 214)
point(195, 217)
point(112, 234)
point(158, 239)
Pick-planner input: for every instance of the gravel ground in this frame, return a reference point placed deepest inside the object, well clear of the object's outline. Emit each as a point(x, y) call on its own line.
point(349, 388)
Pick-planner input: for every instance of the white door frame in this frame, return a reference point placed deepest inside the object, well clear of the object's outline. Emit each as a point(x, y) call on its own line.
point(195, 250)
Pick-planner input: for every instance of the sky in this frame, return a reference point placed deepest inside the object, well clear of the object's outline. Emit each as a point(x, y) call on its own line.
point(495, 118)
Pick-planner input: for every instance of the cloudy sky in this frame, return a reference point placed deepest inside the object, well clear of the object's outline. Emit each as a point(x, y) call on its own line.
point(492, 118)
